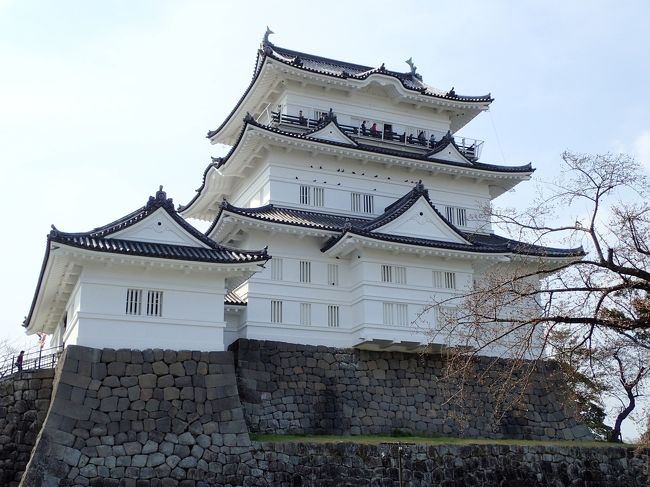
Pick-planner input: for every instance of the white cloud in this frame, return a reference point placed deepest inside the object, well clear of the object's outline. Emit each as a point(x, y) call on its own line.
point(642, 148)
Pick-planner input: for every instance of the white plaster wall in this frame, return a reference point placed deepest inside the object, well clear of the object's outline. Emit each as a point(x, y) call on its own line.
point(360, 294)
point(353, 107)
point(192, 309)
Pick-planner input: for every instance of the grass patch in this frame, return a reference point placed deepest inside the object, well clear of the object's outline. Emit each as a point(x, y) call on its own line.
point(426, 440)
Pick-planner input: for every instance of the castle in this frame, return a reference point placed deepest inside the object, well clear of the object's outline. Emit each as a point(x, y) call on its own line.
point(346, 203)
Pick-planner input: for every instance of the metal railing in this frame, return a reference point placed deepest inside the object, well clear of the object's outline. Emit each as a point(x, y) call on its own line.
point(420, 140)
point(41, 359)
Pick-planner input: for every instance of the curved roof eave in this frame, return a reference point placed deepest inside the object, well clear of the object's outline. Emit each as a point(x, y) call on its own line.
point(269, 51)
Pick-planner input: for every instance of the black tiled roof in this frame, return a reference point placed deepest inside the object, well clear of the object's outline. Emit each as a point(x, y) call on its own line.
point(99, 239)
point(163, 251)
point(492, 244)
point(291, 216)
point(341, 69)
point(233, 300)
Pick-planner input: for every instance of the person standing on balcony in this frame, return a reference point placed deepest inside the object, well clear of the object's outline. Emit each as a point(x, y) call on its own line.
point(301, 119)
point(373, 130)
point(19, 361)
point(432, 140)
point(364, 131)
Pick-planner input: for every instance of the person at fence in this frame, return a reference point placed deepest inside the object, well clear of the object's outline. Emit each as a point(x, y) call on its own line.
point(364, 130)
point(301, 118)
point(373, 130)
point(421, 138)
point(19, 360)
point(432, 140)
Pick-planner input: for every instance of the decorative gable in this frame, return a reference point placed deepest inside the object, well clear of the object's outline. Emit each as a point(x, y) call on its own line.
point(450, 153)
point(332, 133)
point(421, 221)
point(158, 227)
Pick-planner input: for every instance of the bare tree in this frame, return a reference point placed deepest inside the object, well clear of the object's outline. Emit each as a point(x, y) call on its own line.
point(596, 297)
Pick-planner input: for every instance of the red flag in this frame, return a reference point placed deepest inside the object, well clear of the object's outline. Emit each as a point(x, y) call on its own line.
point(41, 340)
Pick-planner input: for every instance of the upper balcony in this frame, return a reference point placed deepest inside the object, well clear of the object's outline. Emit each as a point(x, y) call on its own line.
point(380, 133)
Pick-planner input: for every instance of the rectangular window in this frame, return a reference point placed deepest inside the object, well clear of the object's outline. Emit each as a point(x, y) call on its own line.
point(276, 269)
point(450, 214)
point(355, 202)
point(154, 303)
point(461, 217)
point(332, 274)
point(312, 196)
point(305, 195)
point(362, 203)
point(305, 271)
point(368, 203)
point(391, 273)
point(450, 280)
point(276, 311)
point(386, 273)
point(305, 314)
point(456, 216)
point(319, 196)
point(333, 316)
point(444, 280)
point(133, 301)
point(395, 314)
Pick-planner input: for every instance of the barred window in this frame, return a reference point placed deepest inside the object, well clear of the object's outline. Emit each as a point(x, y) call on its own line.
point(362, 203)
point(305, 271)
point(333, 316)
point(133, 301)
point(332, 274)
point(276, 311)
point(305, 314)
point(444, 280)
point(395, 314)
point(276, 269)
point(312, 196)
point(392, 273)
point(154, 303)
point(456, 215)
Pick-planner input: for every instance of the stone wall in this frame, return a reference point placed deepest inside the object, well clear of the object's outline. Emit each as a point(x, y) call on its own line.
point(347, 464)
point(298, 389)
point(154, 418)
point(24, 401)
point(163, 418)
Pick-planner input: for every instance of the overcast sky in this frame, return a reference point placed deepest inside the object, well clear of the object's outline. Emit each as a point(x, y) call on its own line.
point(101, 102)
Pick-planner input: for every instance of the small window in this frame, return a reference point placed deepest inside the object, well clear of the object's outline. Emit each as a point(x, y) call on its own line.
point(333, 316)
point(395, 314)
point(319, 196)
point(461, 217)
point(276, 269)
point(450, 214)
point(312, 196)
point(305, 314)
point(305, 195)
point(444, 280)
point(450, 280)
point(154, 303)
point(133, 301)
point(362, 203)
point(276, 311)
point(332, 274)
point(305, 271)
point(386, 273)
point(456, 216)
point(390, 273)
